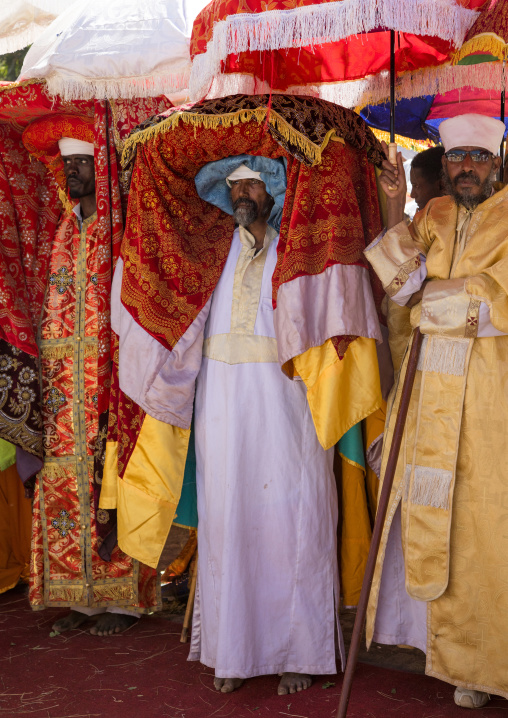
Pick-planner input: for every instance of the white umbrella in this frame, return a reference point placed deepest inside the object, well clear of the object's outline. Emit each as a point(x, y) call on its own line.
point(115, 48)
point(22, 21)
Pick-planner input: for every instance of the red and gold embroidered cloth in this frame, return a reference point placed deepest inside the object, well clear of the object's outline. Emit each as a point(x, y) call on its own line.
point(175, 244)
point(30, 211)
point(76, 271)
point(66, 568)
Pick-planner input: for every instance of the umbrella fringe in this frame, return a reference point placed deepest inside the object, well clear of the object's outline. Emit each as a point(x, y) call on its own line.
point(371, 90)
point(82, 88)
point(19, 40)
point(438, 80)
point(351, 94)
point(322, 24)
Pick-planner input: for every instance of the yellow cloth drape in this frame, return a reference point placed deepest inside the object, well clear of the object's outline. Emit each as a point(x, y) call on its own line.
point(147, 495)
point(340, 392)
point(358, 489)
point(15, 530)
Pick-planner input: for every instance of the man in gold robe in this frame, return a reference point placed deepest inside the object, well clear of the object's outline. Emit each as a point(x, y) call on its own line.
point(442, 574)
point(67, 568)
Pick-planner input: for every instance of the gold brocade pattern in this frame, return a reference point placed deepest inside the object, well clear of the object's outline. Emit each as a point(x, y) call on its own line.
point(467, 643)
point(66, 568)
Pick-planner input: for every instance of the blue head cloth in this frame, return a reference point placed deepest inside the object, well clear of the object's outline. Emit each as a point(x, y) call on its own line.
point(211, 182)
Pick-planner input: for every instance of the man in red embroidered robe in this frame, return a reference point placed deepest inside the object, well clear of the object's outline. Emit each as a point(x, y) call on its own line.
point(66, 568)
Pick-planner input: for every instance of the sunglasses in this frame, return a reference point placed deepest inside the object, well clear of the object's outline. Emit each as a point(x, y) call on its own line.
point(476, 155)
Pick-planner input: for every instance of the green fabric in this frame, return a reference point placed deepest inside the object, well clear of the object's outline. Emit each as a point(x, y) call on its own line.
point(477, 59)
point(187, 509)
point(350, 445)
point(7, 454)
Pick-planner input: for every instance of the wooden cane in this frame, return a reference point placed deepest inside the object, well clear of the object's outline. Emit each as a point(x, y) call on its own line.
point(190, 600)
point(384, 498)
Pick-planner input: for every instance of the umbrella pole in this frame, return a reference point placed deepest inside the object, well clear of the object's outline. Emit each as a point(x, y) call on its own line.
point(392, 149)
point(361, 611)
point(501, 151)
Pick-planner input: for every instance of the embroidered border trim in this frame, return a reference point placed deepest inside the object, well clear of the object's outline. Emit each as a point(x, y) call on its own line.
point(472, 319)
point(20, 411)
point(403, 275)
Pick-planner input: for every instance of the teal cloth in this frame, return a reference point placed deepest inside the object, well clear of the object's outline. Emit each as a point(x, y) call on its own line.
point(7, 454)
point(187, 509)
point(351, 445)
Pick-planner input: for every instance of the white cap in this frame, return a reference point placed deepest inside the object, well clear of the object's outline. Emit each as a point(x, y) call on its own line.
point(70, 146)
point(472, 131)
point(242, 172)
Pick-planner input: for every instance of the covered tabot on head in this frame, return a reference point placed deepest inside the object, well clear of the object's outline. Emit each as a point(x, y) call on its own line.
point(180, 248)
point(174, 250)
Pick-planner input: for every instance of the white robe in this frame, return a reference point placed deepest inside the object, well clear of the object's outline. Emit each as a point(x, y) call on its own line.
point(267, 593)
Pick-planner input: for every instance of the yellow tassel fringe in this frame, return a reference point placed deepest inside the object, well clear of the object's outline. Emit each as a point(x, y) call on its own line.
point(488, 43)
point(407, 142)
point(212, 122)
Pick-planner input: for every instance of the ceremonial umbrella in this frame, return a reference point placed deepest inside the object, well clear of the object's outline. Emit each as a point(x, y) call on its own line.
point(347, 51)
point(337, 49)
point(22, 21)
point(478, 77)
point(115, 49)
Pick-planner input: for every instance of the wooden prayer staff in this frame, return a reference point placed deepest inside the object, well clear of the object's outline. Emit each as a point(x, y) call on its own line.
point(193, 575)
point(384, 498)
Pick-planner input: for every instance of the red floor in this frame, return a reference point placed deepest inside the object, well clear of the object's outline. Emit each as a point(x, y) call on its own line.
point(144, 673)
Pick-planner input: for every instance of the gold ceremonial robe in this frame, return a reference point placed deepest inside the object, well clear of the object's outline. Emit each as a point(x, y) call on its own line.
point(451, 481)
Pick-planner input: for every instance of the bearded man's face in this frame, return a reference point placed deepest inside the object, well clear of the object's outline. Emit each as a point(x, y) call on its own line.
point(469, 182)
point(79, 172)
point(250, 201)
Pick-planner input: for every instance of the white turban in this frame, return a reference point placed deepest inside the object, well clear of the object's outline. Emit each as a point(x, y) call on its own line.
point(70, 146)
point(472, 131)
point(242, 172)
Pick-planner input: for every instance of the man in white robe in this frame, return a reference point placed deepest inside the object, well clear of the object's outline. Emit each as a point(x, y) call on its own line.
point(267, 591)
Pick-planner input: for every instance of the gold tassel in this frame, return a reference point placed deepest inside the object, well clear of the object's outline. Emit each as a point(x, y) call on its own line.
point(211, 122)
point(66, 594)
point(113, 593)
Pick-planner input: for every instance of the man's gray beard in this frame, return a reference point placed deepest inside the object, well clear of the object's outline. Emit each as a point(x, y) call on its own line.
point(465, 201)
point(245, 216)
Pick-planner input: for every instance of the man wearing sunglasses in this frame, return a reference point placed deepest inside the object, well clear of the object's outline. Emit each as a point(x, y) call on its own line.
point(441, 581)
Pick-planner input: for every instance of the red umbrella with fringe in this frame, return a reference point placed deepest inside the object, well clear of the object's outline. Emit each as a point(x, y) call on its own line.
point(335, 49)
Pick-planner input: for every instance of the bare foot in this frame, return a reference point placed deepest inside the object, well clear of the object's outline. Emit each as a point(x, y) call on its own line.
point(110, 623)
point(70, 621)
point(293, 682)
point(227, 685)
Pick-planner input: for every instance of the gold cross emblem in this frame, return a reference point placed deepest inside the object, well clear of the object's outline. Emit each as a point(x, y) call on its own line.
point(55, 400)
point(63, 524)
point(61, 279)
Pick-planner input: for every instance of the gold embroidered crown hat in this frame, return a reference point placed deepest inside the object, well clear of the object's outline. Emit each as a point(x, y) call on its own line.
point(472, 130)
